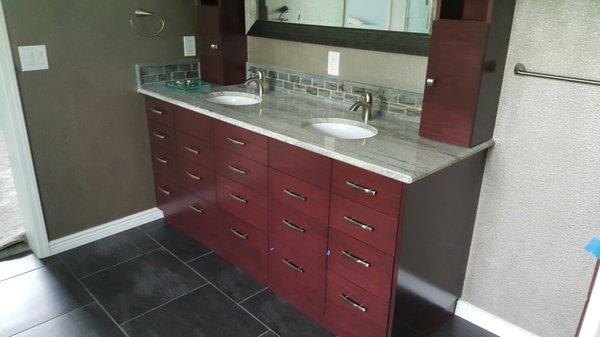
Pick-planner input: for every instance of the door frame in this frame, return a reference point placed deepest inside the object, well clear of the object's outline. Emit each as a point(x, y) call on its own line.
point(19, 150)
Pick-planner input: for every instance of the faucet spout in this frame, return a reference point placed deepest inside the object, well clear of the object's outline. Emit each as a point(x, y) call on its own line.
point(258, 79)
point(367, 107)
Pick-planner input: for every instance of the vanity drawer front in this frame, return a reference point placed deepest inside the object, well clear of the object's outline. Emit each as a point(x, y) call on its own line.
point(164, 162)
point(242, 170)
point(243, 142)
point(197, 179)
point(352, 312)
point(360, 263)
point(299, 195)
point(160, 111)
point(194, 124)
point(243, 202)
point(297, 279)
point(195, 149)
point(199, 220)
point(244, 246)
point(375, 191)
point(367, 225)
point(162, 135)
point(302, 164)
point(304, 233)
point(170, 198)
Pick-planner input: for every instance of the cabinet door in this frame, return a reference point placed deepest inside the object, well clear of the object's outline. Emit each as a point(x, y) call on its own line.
point(209, 43)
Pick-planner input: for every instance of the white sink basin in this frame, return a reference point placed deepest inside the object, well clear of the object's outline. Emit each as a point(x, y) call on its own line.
point(233, 98)
point(343, 128)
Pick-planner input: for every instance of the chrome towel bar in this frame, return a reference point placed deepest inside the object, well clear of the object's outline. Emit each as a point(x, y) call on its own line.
point(520, 69)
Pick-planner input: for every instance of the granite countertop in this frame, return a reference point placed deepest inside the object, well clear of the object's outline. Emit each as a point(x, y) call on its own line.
point(397, 151)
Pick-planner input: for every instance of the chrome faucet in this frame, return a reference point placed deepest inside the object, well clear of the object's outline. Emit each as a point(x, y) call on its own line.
point(367, 107)
point(258, 79)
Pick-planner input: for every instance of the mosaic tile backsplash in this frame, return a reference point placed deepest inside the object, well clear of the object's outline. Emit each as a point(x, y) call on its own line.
point(389, 101)
point(150, 73)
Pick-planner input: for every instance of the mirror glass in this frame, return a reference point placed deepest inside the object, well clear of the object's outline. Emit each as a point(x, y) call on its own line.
point(413, 16)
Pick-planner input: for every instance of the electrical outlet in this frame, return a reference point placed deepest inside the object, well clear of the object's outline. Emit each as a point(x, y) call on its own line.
point(33, 58)
point(189, 46)
point(333, 63)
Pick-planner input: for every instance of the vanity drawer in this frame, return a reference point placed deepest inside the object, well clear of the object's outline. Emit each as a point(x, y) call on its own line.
point(375, 191)
point(305, 165)
point(299, 195)
point(352, 312)
point(170, 198)
point(243, 202)
point(164, 162)
point(160, 111)
point(244, 246)
point(306, 234)
point(367, 225)
point(198, 218)
point(197, 179)
point(297, 279)
point(195, 149)
point(360, 263)
point(194, 124)
point(242, 170)
point(243, 142)
point(162, 135)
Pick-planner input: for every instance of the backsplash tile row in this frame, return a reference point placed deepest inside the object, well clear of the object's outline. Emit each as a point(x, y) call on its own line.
point(149, 73)
point(389, 101)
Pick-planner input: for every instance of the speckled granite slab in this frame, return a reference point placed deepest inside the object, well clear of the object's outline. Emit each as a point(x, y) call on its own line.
point(396, 152)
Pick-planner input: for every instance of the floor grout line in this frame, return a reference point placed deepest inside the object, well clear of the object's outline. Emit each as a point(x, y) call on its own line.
point(116, 264)
point(201, 256)
point(53, 318)
point(34, 269)
point(249, 297)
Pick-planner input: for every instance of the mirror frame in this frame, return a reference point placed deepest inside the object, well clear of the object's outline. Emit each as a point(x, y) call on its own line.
point(367, 39)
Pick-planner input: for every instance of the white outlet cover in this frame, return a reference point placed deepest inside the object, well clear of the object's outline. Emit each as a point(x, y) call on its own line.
point(333, 63)
point(189, 46)
point(33, 58)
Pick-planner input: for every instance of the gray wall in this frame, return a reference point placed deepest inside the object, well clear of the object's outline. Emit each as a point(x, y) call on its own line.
point(85, 121)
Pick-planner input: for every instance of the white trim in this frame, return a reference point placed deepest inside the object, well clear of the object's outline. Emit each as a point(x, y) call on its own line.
point(591, 321)
point(102, 231)
point(489, 322)
point(19, 150)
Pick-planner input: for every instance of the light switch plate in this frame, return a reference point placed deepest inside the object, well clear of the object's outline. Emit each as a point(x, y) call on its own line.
point(33, 58)
point(333, 63)
point(189, 46)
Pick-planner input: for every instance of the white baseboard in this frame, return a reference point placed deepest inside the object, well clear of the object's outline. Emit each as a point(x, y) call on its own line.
point(489, 322)
point(102, 231)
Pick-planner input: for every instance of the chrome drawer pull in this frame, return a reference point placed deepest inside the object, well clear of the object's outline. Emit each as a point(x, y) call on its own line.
point(293, 266)
point(358, 224)
point(165, 192)
point(193, 176)
point(159, 136)
point(355, 259)
point(237, 170)
point(191, 149)
point(235, 141)
point(361, 188)
point(238, 234)
point(157, 111)
point(293, 227)
point(196, 209)
point(238, 198)
point(162, 161)
point(353, 303)
point(294, 195)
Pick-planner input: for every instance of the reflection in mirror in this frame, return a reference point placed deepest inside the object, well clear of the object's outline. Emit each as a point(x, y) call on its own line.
point(413, 16)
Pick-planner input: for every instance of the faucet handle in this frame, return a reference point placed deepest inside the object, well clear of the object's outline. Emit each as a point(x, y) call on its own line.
point(368, 97)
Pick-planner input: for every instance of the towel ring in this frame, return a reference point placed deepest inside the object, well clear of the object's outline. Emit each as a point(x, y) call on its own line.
point(141, 13)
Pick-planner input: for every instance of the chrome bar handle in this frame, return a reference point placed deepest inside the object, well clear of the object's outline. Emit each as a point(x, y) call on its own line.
point(159, 136)
point(361, 188)
point(237, 170)
point(353, 303)
point(238, 234)
point(157, 111)
point(355, 259)
point(520, 69)
point(235, 141)
point(238, 198)
point(293, 266)
point(160, 160)
point(294, 195)
point(358, 224)
point(164, 191)
point(191, 149)
point(196, 209)
point(293, 227)
point(193, 176)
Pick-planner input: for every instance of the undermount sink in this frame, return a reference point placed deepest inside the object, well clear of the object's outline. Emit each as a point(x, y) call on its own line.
point(233, 98)
point(343, 128)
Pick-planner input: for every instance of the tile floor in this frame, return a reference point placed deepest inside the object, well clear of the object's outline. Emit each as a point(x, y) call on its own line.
point(151, 281)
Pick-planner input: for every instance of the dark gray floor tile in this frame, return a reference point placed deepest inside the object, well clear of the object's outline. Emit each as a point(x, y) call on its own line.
point(203, 312)
point(107, 252)
point(227, 277)
point(458, 327)
point(282, 318)
point(22, 263)
point(152, 225)
point(134, 287)
point(177, 242)
point(88, 321)
point(37, 296)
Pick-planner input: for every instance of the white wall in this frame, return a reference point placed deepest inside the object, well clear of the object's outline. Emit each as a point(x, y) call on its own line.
point(540, 201)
